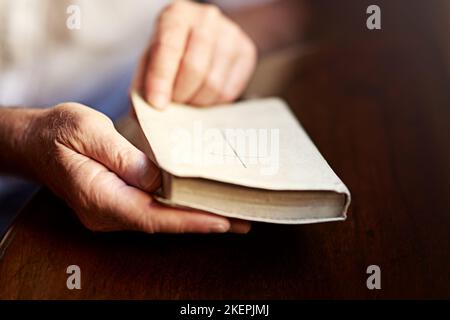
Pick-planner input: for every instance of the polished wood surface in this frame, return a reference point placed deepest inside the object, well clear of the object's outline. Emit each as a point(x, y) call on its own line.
point(377, 105)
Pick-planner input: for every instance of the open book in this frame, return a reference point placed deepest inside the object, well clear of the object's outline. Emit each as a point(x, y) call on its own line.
point(250, 160)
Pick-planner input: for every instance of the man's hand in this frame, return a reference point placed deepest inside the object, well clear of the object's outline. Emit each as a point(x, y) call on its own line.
point(196, 56)
point(77, 153)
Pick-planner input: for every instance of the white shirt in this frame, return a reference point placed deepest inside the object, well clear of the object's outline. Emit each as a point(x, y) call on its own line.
point(43, 62)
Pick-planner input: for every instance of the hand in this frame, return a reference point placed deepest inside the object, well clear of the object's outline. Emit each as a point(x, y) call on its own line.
point(78, 154)
point(196, 56)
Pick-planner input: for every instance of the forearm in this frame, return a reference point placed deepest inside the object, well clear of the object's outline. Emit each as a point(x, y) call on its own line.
point(15, 132)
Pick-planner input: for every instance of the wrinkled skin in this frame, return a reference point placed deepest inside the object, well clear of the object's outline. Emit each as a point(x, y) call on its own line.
point(77, 152)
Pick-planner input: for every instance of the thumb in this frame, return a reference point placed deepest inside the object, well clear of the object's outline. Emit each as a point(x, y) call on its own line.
point(116, 153)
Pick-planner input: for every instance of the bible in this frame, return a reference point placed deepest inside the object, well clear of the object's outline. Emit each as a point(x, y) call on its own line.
point(248, 160)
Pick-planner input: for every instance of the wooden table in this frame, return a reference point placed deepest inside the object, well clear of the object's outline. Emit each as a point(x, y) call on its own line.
point(377, 104)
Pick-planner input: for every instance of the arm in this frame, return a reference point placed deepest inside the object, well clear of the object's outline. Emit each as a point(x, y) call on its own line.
point(14, 130)
point(77, 153)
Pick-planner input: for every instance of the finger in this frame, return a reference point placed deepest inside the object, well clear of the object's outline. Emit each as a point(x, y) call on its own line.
point(173, 220)
point(125, 161)
point(131, 164)
point(142, 213)
point(197, 57)
point(106, 203)
point(124, 207)
point(239, 73)
point(111, 149)
point(223, 56)
point(166, 52)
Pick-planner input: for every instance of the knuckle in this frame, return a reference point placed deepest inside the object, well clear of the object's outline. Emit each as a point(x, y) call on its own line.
point(194, 66)
point(210, 10)
point(170, 9)
point(174, 10)
point(202, 37)
point(64, 121)
point(76, 116)
point(67, 123)
point(171, 226)
point(123, 158)
point(213, 84)
point(66, 111)
point(147, 224)
point(168, 38)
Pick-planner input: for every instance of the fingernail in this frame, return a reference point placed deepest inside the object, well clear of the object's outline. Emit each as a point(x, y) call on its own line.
point(219, 228)
point(150, 180)
point(158, 100)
